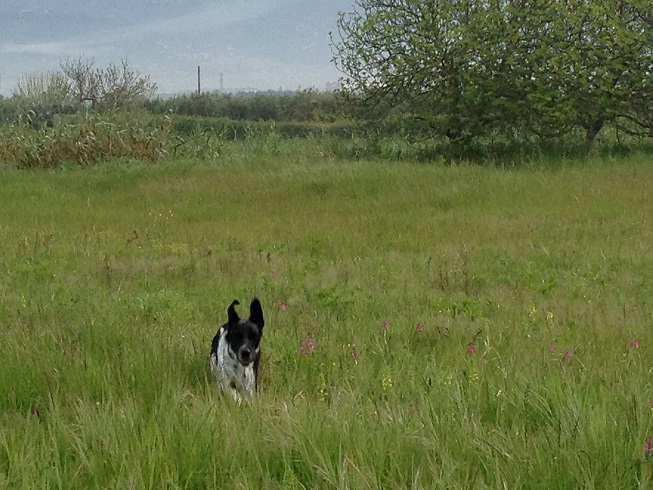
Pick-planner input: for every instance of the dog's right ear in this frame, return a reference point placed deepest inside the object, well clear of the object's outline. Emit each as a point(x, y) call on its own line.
point(231, 313)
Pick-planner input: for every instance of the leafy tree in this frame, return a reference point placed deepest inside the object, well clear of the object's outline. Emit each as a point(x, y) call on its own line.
point(473, 68)
point(406, 55)
point(604, 58)
point(637, 117)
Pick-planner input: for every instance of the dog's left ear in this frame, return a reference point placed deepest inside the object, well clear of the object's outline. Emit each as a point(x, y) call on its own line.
point(256, 313)
point(231, 313)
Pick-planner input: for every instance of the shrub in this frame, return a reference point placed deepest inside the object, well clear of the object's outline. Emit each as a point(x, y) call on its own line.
point(84, 141)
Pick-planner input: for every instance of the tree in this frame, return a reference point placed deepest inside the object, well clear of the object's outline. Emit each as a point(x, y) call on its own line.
point(605, 57)
point(39, 97)
point(47, 89)
point(407, 55)
point(107, 88)
point(119, 86)
point(472, 68)
point(637, 117)
point(82, 79)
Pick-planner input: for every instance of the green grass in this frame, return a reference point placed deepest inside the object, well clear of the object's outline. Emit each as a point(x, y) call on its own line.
point(115, 278)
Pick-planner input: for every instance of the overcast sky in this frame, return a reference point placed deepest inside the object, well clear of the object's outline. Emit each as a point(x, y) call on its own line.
point(259, 44)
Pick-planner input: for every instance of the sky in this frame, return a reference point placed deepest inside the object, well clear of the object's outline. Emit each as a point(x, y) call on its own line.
point(254, 44)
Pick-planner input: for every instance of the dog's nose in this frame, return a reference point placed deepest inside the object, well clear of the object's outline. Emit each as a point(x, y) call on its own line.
point(245, 354)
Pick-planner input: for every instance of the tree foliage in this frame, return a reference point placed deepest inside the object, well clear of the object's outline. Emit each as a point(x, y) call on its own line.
point(474, 68)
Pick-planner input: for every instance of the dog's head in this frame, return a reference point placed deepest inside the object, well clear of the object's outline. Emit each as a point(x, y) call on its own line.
point(243, 336)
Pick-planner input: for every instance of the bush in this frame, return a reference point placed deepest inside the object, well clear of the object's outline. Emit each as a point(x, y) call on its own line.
point(85, 141)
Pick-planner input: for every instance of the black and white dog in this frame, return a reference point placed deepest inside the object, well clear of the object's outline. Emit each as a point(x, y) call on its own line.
point(235, 352)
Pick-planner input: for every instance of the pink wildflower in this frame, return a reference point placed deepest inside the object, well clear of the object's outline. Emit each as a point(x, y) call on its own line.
point(420, 327)
point(568, 354)
point(282, 305)
point(307, 345)
point(553, 348)
point(647, 447)
point(355, 354)
point(385, 325)
point(471, 349)
point(634, 344)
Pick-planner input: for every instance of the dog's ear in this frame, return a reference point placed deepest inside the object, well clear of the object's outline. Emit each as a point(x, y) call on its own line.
point(256, 313)
point(231, 313)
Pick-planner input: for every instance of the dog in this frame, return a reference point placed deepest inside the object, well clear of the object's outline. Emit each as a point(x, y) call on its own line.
point(235, 353)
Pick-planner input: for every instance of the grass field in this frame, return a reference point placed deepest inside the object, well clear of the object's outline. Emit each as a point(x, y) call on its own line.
point(427, 326)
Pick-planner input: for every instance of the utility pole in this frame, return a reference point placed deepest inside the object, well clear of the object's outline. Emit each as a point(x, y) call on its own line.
point(199, 90)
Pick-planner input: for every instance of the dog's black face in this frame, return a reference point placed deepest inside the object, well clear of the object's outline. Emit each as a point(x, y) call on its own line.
point(243, 336)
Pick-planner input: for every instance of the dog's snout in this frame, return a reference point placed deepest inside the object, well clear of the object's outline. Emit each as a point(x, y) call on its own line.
point(245, 355)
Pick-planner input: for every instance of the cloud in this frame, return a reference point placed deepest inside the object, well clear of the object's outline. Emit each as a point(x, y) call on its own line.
point(99, 35)
point(48, 49)
point(255, 43)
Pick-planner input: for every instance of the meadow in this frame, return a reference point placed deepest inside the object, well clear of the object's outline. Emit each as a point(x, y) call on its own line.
point(427, 325)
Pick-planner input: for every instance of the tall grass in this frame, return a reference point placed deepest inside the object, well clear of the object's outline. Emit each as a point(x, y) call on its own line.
point(426, 326)
point(84, 141)
point(132, 136)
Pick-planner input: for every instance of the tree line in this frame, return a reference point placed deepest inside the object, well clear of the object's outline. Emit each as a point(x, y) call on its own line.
point(282, 106)
point(81, 86)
